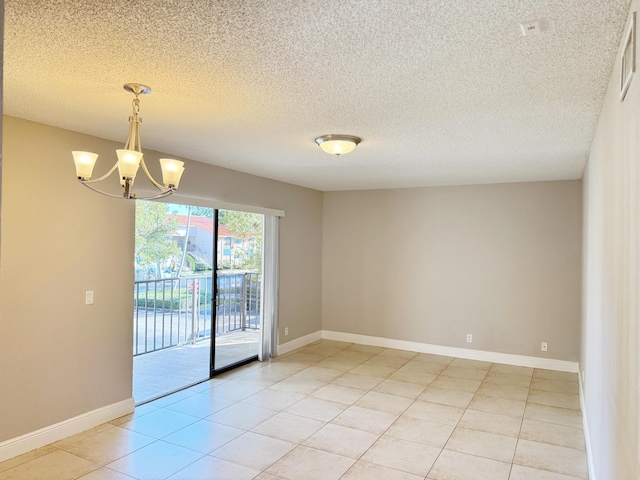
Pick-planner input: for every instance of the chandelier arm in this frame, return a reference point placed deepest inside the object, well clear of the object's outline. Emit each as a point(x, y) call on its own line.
point(115, 165)
point(151, 179)
point(101, 192)
point(163, 194)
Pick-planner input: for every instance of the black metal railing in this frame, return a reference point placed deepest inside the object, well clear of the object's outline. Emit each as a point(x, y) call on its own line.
point(177, 311)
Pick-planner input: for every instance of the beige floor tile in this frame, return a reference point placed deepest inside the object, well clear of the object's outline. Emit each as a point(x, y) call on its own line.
point(236, 390)
point(561, 416)
point(105, 474)
point(401, 389)
point(558, 376)
point(160, 423)
point(284, 368)
point(338, 364)
point(507, 379)
point(553, 458)
point(504, 391)
point(393, 352)
point(306, 358)
point(446, 396)
point(373, 370)
point(274, 399)
point(304, 386)
point(265, 374)
point(518, 472)
point(511, 369)
point(350, 355)
point(339, 393)
point(460, 466)
point(555, 386)
point(464, 373)
point(25, 457)
point(429, 357)
point(552, 433)
point(482, 444)
point(502, 406)
point(242, 415)
point(267, 476)
point(386, 361)
point(317, 408)
point(264, 450)
point(291, 428)
point(369, 471)
point(384, 402)
point(169, 399)
point(109, 445)
point(57, 464)
point(368, 349)
point(157, 460)
point(424, 367)
point(319, 373)
point(477, 364)
point(460, 384)
point(65, 442)
point(491, 423)
point(346, 441)
point(311, 464)
point(204, 436)
point(204, 469)
point(402, 455)
point(324, 350)
point(435, 412)
point(420, 431)
point(554, 399)
point(419, 378)
point(200, 405)
point(365, 419)
point(352, 380)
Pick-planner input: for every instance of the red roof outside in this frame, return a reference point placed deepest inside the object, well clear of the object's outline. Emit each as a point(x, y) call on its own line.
point(204, 223)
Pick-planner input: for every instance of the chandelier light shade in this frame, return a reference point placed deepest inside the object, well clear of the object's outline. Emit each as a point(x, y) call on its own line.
point(130, 159)
point(338, 144)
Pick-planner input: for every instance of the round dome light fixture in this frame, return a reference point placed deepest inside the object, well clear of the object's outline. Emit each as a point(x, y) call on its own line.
point(338, 144)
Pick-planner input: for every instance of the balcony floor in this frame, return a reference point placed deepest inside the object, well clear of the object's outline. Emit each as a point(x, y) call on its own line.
point(165, 371)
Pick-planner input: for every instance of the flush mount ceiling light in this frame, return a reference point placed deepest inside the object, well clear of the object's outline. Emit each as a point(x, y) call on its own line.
point(130, 159)
point(338, 144)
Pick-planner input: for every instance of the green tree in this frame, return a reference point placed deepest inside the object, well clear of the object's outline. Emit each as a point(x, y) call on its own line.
point(202, 211)
point(154, 235)
point(248, 228)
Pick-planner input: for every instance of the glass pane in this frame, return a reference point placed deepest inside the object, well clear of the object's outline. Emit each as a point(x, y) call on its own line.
point(172, 298)
point(239, 287)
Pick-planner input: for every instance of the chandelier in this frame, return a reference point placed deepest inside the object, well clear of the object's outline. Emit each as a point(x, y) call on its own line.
point(130, 159)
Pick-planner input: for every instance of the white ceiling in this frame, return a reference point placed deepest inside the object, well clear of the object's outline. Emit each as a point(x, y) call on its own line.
point(442, 92)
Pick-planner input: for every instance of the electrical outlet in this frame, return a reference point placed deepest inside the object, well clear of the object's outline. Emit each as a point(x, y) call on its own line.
point(469, 338)
point(544, 347)
point(88, 297)
point(286, 331)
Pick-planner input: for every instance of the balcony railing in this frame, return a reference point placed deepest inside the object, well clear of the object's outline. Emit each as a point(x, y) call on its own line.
point(178, 311)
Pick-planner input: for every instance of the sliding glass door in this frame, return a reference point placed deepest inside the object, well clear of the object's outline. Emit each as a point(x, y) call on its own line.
point(197, 295)
point(239, 284)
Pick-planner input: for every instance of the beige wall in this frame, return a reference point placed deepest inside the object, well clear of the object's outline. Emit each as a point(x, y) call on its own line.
point(430, 265)
point(610, 333)
point(60, 358)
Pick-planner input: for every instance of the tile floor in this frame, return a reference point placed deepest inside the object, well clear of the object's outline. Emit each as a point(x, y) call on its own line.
point(333, 411)
point(158, 373)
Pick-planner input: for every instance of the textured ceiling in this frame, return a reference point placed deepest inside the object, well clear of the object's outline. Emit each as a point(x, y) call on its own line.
point(442, 92)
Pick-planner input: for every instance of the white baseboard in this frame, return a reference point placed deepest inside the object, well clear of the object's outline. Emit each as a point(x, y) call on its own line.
point(493, 357)
point(585, 429)
point(299, 342)
point(30, 441)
